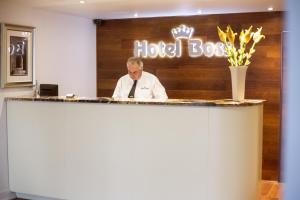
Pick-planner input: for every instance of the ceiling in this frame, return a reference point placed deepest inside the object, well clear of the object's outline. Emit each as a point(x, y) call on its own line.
point(117, 9)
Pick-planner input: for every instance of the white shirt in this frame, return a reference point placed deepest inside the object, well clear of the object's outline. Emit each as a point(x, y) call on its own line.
point(148, 87)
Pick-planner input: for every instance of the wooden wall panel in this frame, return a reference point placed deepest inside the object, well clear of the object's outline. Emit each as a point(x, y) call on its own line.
point(201, 78)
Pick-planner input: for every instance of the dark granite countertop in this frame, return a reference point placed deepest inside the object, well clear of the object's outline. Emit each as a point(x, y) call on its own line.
point(185, 102)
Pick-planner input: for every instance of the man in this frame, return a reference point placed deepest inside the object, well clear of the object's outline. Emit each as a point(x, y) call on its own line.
point(138, 83)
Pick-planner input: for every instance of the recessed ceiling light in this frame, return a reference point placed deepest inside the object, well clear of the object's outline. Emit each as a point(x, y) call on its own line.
point(82, 2)
point(136, 14)
point(270, 9)
point(199, 12)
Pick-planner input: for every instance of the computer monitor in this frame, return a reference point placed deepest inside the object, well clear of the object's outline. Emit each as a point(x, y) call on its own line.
point(48, 90)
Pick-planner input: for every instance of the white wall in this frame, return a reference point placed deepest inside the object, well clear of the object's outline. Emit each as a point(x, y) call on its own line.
point(65, 47)
point(65, 54)
point(292, 128)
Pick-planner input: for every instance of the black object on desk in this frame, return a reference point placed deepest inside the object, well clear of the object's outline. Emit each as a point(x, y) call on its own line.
point(48, 90)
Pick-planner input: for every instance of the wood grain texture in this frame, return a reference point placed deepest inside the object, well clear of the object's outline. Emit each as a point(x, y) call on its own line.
point(202, 77)
point(271, 190)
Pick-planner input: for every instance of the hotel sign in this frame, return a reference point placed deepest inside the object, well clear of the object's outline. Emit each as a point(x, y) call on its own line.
point(196, 47)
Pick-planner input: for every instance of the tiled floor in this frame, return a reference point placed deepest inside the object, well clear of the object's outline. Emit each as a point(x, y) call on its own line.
point(270, 190)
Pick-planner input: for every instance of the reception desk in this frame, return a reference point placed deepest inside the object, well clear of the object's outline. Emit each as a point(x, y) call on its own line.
point(104, 149)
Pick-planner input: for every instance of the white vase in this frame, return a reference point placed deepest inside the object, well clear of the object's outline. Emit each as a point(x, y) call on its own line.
point(238, 79)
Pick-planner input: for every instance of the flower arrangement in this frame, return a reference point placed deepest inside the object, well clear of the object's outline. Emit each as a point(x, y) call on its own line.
point(240, 57)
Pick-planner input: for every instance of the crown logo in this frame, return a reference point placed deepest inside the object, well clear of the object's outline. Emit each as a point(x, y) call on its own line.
point(182, 32)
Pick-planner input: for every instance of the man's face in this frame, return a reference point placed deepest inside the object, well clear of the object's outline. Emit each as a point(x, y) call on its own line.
point(134, 71)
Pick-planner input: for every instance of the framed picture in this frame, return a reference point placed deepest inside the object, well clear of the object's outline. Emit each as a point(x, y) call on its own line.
point(17, 56)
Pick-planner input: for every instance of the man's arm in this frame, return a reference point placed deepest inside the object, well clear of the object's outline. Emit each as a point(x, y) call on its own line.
point(117, 92)
point(159, 91)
